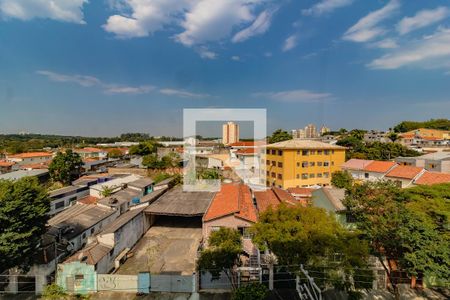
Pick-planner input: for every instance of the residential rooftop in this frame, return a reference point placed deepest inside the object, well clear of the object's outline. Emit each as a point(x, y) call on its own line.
point(430, 178)
point(16, 175)
point(304, 144)
point(405, 172)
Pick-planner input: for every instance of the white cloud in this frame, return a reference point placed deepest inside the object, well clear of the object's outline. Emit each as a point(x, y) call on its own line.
point(422, 18)
point(205, 53)
point(385, 44)
point(429, 52)
point(366, 28)
point(182, 93)
point(201, 21)
point(61, 10)
point(325, 6)
point(235, 58)
point(290, 43)
point(301, 96)
point(91, 81)
point(147, 16)
point(259, 26)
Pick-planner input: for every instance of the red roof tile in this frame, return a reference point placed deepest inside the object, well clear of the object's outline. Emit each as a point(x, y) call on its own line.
point(30, 154)
point(379, 166)
point(272, 198)
point(407, 172)
point(307, 192)
point(247, 144)
point(356, 164)
point(6, 163)
point(246, 151)
point(232, 199)
point(430, 178)
point(88, 200)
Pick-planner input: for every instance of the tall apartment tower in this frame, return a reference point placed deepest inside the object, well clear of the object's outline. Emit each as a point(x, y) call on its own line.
point(230, 133)
point(310, 131)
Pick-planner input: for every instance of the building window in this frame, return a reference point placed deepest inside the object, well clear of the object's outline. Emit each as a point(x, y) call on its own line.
point(274, 163)
point(274, 152)
point(304, 176)
point(273, 175)
point(280, 164)
point(332, 163)
point(332, 151)
point(298, 176)
point(319, 152)
point(326, 152)
point(312, 152)
point(83, 236)
point(298, 164)
point(312, 175)
point(304, 164)
point(245, 232)
point(280, 153)
point(267, 162)
point(59, 205)
point(298, 152)
point(326, 174)
point(366, 175)
point(215, 228)
point(267, 151)
point(319, 163)
point(280, 176)
point(305, 152)
point(319, 175)
point(92, 230)
point(326, 163)
point(312, 164)
point(267, 173)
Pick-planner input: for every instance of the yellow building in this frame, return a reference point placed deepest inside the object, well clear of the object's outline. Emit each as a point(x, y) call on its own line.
point(302, 163)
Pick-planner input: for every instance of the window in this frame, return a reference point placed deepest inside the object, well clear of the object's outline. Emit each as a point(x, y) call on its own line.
point(298, 152)
point(326, 152)
point(280, 164)
point(305, 152)
point(267, 151)
point(319, 175)
point(304, 176)
point(267, 162)
point(245, 232)
point(274, 163)
point(267, 173)
point(215, 228)
point(59, 205)
point(312, 175)
point(332, 151)
point(280, 176)
point(366, 175)
point(312, 152)
point(72, 199)
point(298, 164)
point(273, 175)
point(298, 176)
point(319, 152)
point(319, 163)
point(332, 163)
point(83, 236)
point(92, 230)
point(312, 164)
point(274, 152)
point(326, 163)
point(304, 164)
point(326, 174)
point(280, 153)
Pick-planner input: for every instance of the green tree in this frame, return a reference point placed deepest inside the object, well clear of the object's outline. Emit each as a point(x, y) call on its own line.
point(144, 148)
point(252, 291)
point(209, 174)
point(341, 179)
point(115, 153)
point(440, 124)
point(24, 205)
point(279, 135)
point(54, 292)
point(107, 191)
point(406, 226)
point(222, 254)
point(310, 236)
point(65, 167)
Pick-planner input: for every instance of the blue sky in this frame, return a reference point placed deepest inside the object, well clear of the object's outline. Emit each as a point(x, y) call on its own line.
point(104, 67)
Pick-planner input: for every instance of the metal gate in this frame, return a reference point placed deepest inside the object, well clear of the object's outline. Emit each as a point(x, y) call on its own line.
point(165, 283)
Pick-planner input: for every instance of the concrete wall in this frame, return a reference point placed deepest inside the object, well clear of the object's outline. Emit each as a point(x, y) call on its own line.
point(77, 278)
point(117, 283)
point(67, 201)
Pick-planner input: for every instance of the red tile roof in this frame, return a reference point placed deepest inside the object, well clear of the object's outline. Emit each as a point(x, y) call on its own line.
point(406, 172)
point(247, 144)
point(6, 163)
point(379, 166)
point(232, 199)
point(356, 164)
point(246, 151)
point(272, 198)
point(30, 154)
point(430, 178)
point(90, 149)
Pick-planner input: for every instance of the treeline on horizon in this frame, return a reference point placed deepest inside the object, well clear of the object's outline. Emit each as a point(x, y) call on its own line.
point(19, 143)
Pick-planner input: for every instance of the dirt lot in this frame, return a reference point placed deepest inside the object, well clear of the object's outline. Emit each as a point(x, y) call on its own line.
point(170, 246)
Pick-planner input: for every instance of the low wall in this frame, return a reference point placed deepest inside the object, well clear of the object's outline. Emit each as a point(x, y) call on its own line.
point(136, 171)
point(117, 283)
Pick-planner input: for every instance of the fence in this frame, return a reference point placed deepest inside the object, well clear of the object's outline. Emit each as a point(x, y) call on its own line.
point(208, 282)
point(24, 284)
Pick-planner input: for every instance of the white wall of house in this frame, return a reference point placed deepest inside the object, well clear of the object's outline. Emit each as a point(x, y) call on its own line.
point(58, 205)
point(29, 160)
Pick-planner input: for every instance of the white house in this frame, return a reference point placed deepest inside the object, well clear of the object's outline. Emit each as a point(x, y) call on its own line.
point(30, 158)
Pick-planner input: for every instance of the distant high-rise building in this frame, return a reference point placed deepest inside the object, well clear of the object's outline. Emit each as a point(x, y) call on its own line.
point(230, 133)
point(310, 131)
point(324, 130)
point(298, 134)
